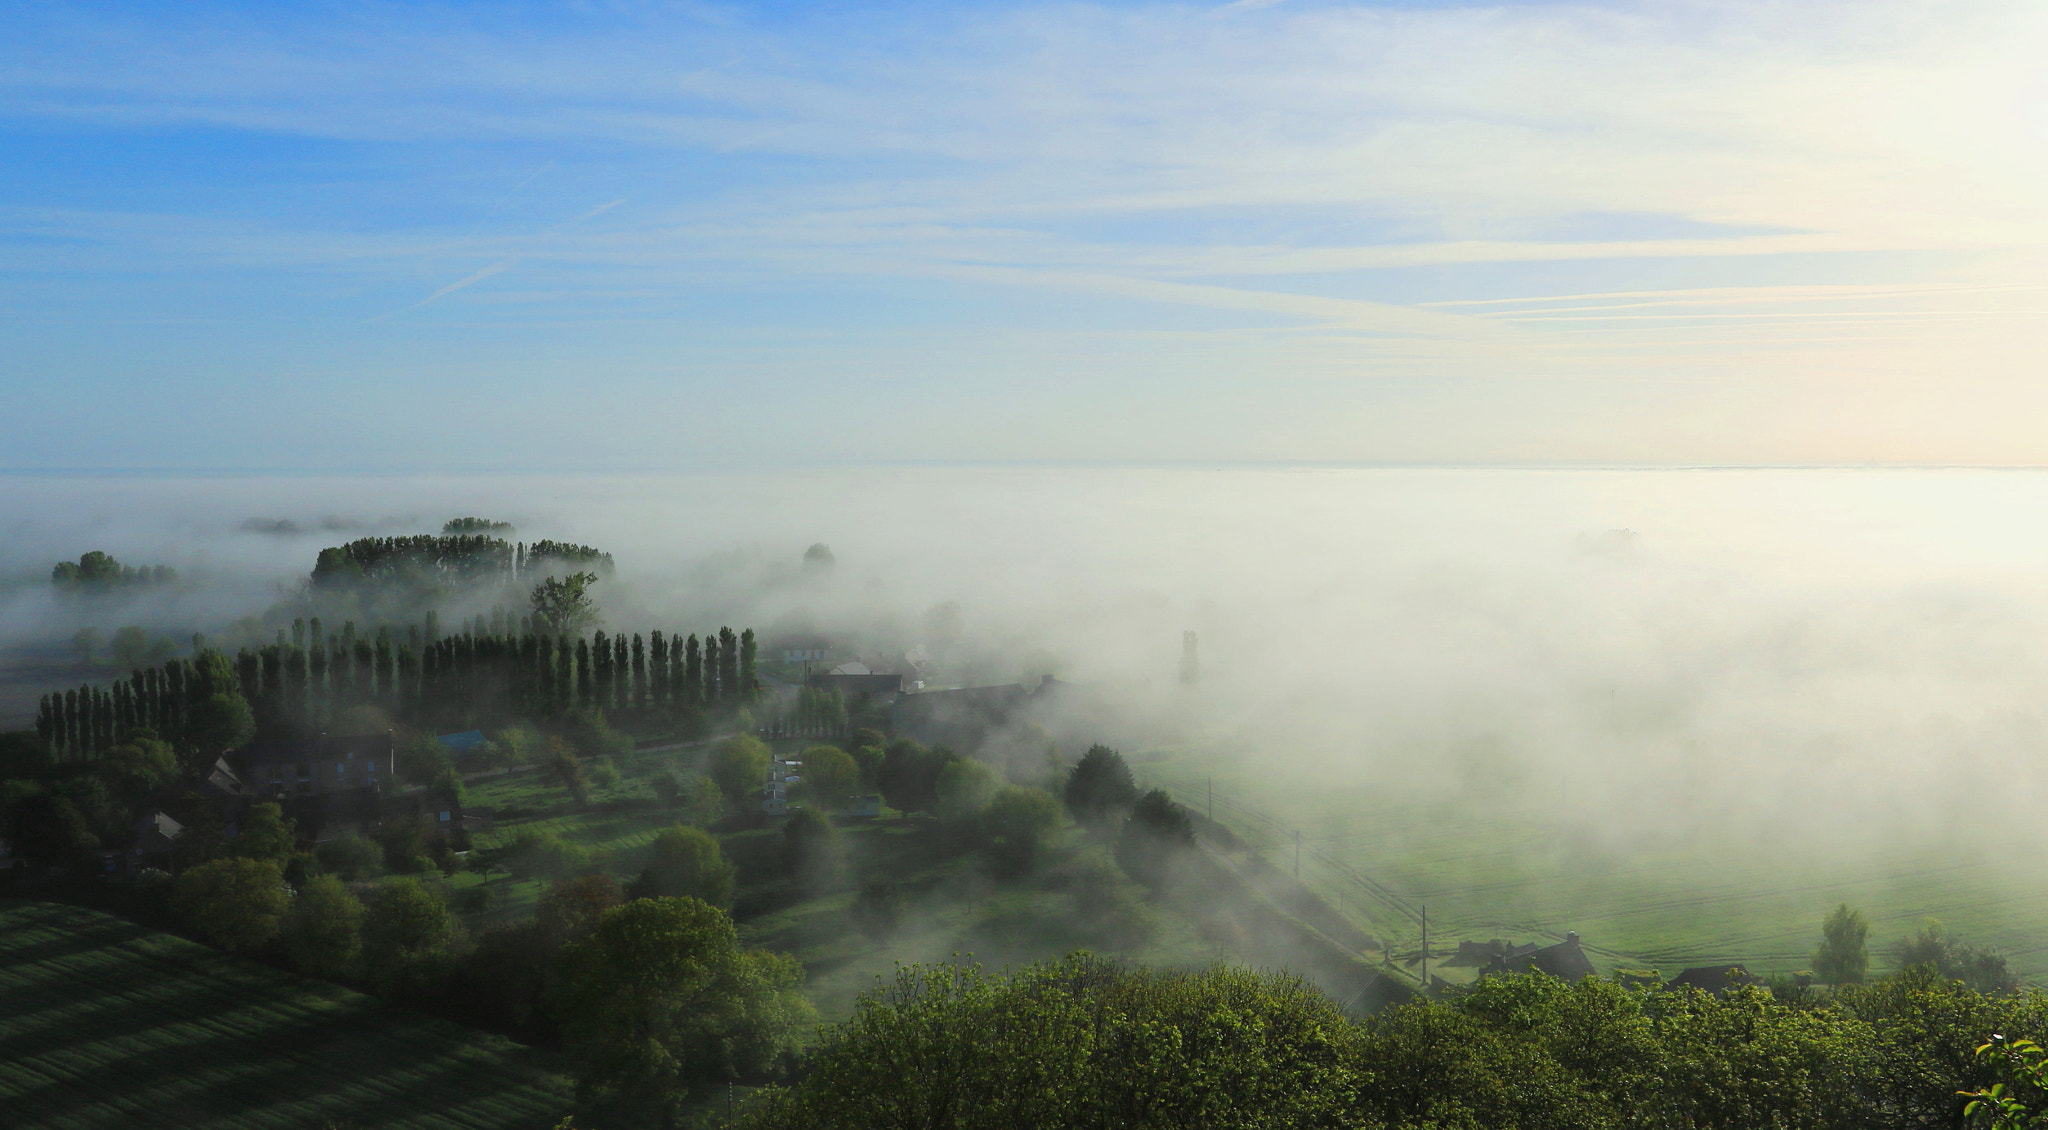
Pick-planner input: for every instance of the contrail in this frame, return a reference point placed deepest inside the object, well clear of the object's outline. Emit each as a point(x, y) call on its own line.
point(451, 288)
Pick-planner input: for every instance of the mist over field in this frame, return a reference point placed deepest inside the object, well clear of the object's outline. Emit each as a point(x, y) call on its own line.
point(1656, 658)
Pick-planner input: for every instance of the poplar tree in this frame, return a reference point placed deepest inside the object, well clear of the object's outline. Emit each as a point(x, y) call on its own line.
point(46, 721)
point(565, 674)
point(621, 673)
point(584, 688)
point(657, 668)
point(747, 665)
point(69, 725)
point(387, 670)
point(601, 658)
point(708, 692)
point(249, 672)
point(317, 699)
point(365, 680)
point(404, 697)
point(730, 693)
point(693, 676)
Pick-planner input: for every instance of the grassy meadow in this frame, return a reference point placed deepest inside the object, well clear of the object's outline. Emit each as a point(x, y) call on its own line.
point(1491, 871)
point(111, 1024)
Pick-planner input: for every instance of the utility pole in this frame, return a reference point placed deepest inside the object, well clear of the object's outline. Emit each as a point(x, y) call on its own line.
point(1425, 947)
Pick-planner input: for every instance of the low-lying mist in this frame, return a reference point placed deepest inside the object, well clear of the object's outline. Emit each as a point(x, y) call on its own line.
point(1826, 657)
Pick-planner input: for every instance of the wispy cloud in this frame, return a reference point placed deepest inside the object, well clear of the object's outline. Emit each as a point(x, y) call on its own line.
point(467, 281)
point(1330, 181)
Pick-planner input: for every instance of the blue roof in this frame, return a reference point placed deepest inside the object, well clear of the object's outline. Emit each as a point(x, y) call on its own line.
point(462, 742)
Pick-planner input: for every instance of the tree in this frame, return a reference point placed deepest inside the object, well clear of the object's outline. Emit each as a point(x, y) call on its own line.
point(349, 856)
point(571, 908)
point(565, 770)
point(1983, 970)
point(1155, 839)
point(563, 606)
point(423, 760)
point(1099, 788)
point(593, 736)
point(963, 789)
point(217, 723)
point(48, 827)
point(685, 862)
point(139, 765)
point(323, 932)
point(1842, 957)
point(739, 764)
point(129, 646)
point(407, 931)
point(745, 677)
point(731, 696)
point(1015, 822)
point(661, 997)
point(811, 847)
point(818, 560)
point(910, 775)
point(236, 904)
point(264, 834)
point(1085, 1042)
point(878, 909)
point(830, 776)
point(700, 801)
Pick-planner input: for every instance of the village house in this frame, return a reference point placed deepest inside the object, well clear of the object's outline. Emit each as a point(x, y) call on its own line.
point(275, 769)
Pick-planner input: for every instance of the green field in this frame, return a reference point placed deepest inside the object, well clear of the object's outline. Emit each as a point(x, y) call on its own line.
point(110, 1024)
point(1493, 871)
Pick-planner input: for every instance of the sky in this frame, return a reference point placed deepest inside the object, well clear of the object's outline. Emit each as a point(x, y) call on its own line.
point(623, 236)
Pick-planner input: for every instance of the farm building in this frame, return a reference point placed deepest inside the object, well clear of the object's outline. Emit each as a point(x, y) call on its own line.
point(1714, 979)
point(1565, 961)
point(859, 688)
point(273, 769)
point(463, 742)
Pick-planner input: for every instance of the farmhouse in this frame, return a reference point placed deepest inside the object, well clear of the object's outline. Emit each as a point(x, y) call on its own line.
point(964, 718)
point(1565, 961)
point(1714, 979)
point(859, 688)
point(276, 769)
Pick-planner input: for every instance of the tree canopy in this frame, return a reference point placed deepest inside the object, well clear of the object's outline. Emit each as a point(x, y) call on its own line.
point(1099, 789)
point(1843, 957)
point(563, 606)
point(236, 904)
point(685, 862)
point(661, 997)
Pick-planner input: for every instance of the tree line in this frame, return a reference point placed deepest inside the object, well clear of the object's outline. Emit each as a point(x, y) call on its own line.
point(452, 560)
point(1088, 1042)
point(493, 667)
point(96, 572)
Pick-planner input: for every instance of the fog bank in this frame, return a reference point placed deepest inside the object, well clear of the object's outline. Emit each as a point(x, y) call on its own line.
point(1664, 653)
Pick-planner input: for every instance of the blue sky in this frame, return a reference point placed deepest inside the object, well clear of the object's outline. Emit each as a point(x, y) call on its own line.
point(596, 236)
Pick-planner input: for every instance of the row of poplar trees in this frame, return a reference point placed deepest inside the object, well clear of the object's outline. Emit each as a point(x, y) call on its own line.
point(491, 671)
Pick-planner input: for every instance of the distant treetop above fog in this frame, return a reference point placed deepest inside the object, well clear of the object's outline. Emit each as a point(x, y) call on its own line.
point(461, 559)
point(489, 526)
point(96, 572)
point(819, 559)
